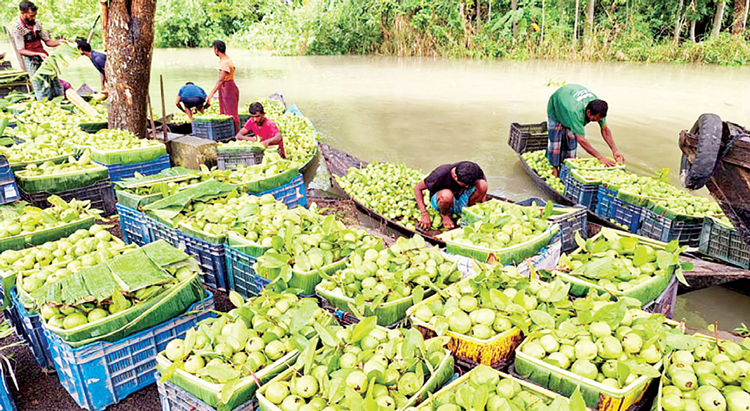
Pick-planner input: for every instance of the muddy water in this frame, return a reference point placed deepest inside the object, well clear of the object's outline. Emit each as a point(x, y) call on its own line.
point(426, 112)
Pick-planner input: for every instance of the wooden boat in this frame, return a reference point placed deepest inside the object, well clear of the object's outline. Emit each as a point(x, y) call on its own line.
point(556, 196)
point(705, 274)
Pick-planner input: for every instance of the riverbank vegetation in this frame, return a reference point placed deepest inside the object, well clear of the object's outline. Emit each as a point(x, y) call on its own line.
point(704, 31)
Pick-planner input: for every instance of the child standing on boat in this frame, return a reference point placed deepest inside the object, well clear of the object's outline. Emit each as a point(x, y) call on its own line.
point(569, 109)
point(452, 187)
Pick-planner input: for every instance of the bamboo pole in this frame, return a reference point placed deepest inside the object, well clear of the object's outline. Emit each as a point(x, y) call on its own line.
point(163, 109)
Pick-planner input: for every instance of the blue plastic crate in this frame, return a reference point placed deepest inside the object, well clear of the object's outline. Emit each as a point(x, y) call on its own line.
point(210, 257)
point(134, 225)
point(241, 275)
point(160, 231)
point(119, 172)
point(664, 229)
point(34, 334)
point(104, 373)
point(293, 193)
point(8, 188)
point(214, 130)
point(6, 397)
point(724, 243)
point(605, 202)
point(627, 214)
point(174, 398)
point(101, 194)
point(579, 192)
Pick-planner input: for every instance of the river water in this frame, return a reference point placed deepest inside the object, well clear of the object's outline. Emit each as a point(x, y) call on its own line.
point(426, 112)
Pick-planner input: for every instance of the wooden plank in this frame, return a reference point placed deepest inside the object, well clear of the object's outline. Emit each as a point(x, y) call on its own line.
point(80, 103)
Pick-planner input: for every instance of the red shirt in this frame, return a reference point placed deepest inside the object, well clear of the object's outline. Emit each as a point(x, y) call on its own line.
point(265, 132)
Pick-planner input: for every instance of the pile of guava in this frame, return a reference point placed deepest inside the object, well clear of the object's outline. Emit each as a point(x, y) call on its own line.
point(714, 376)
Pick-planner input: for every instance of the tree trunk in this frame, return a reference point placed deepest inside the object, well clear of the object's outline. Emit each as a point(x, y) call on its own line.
point(678, 24)
point(590, 16)
point(740, 17)
point(514, 6)
point(692, 31)
point(130, 37)
point(718, 17)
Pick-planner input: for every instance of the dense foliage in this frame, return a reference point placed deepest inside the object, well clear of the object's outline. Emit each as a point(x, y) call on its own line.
point(627, 30)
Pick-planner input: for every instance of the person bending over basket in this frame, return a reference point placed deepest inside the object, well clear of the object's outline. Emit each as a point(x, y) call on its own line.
point(191, 99)
point(264, 129)
point(452, 187)
point(569, 109)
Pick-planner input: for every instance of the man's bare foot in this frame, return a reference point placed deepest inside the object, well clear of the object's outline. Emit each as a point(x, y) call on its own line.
point(448, 222)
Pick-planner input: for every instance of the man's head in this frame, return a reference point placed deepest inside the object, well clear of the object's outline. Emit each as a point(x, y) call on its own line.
point(257, 113)
point(467, 173)
point(83, 45)
point(28, 11)
point(219, 47)
point(189, 82)
point(596, 110)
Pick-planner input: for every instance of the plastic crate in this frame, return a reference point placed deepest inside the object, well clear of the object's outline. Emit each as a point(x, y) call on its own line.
point(528, 137)
point(160, 231)
point(214, 130)
point(230, 161)
point(627, 214)
point(8, 187)
point(119, 172)
point(134, 226)
point(664, 229)
point(665, 303)
point(724, 243)
point(241, 275)
point(605, 202)
point(101, 195)
point(293, 194)
point(569, 223)
point(210, 257)
point(33, 333)
point(585, 194)
point(174, 398)
point(103, 373)
point(6, 397)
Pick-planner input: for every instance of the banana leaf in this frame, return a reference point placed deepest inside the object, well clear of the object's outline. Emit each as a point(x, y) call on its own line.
point(59, 57)
point(167, 209)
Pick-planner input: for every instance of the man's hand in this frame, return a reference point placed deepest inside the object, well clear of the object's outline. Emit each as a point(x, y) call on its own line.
point(43, 56)
point(607, 162)
point(447, 222)
point(424, 221)
point(618, 157)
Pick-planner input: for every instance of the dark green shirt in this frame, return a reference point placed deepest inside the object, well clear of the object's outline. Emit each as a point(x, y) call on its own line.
point(567, 106)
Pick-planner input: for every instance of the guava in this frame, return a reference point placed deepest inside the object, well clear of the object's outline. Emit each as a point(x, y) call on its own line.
point(357, 380)
point(710, 380)
point(97, 314)
point(671, 389)
point(497, 403)
point(348, 361)
point(483, 316)
point(609, 347)
point(175, 350)
point(728, 389)
point(467, 303)
point(255, 344)
point(484, 375)
point(703, 368)
point(481, 332)
point(74, 320)
point(502, 324)
point(584, 368)
point(318, 403)
point(684, 358)
point(256, 360)
point(529, 302)
point(423, 313)
point(600, 329)
point(224, 349)
point(672, 402)
point(194, 363)
point(692, 405)
point(685, 380)
point(449, 407)
point(632, 343)
point(275, 350)
point(507, 388)
point(701, 353)
point(727, 371)
point(732, 350)
point(609, 369)
point(745, 384)
point(651, 354)
point(720, 358)
point(549, 343)
point(586, 350)
point(239, 358)
point(534, 349)
point(459, 322)
point(569, 351)
point(369, 342)
point(710, 399)
point(49, 311)
point(559, 359)
point(292, 403)
point(385, 403)
point(390, 378)
point(408, 384)
point(307, 407)
point(371, 366)
point(306, 386)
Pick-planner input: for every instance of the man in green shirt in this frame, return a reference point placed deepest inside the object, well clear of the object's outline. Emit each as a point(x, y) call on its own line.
point(569, 109)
